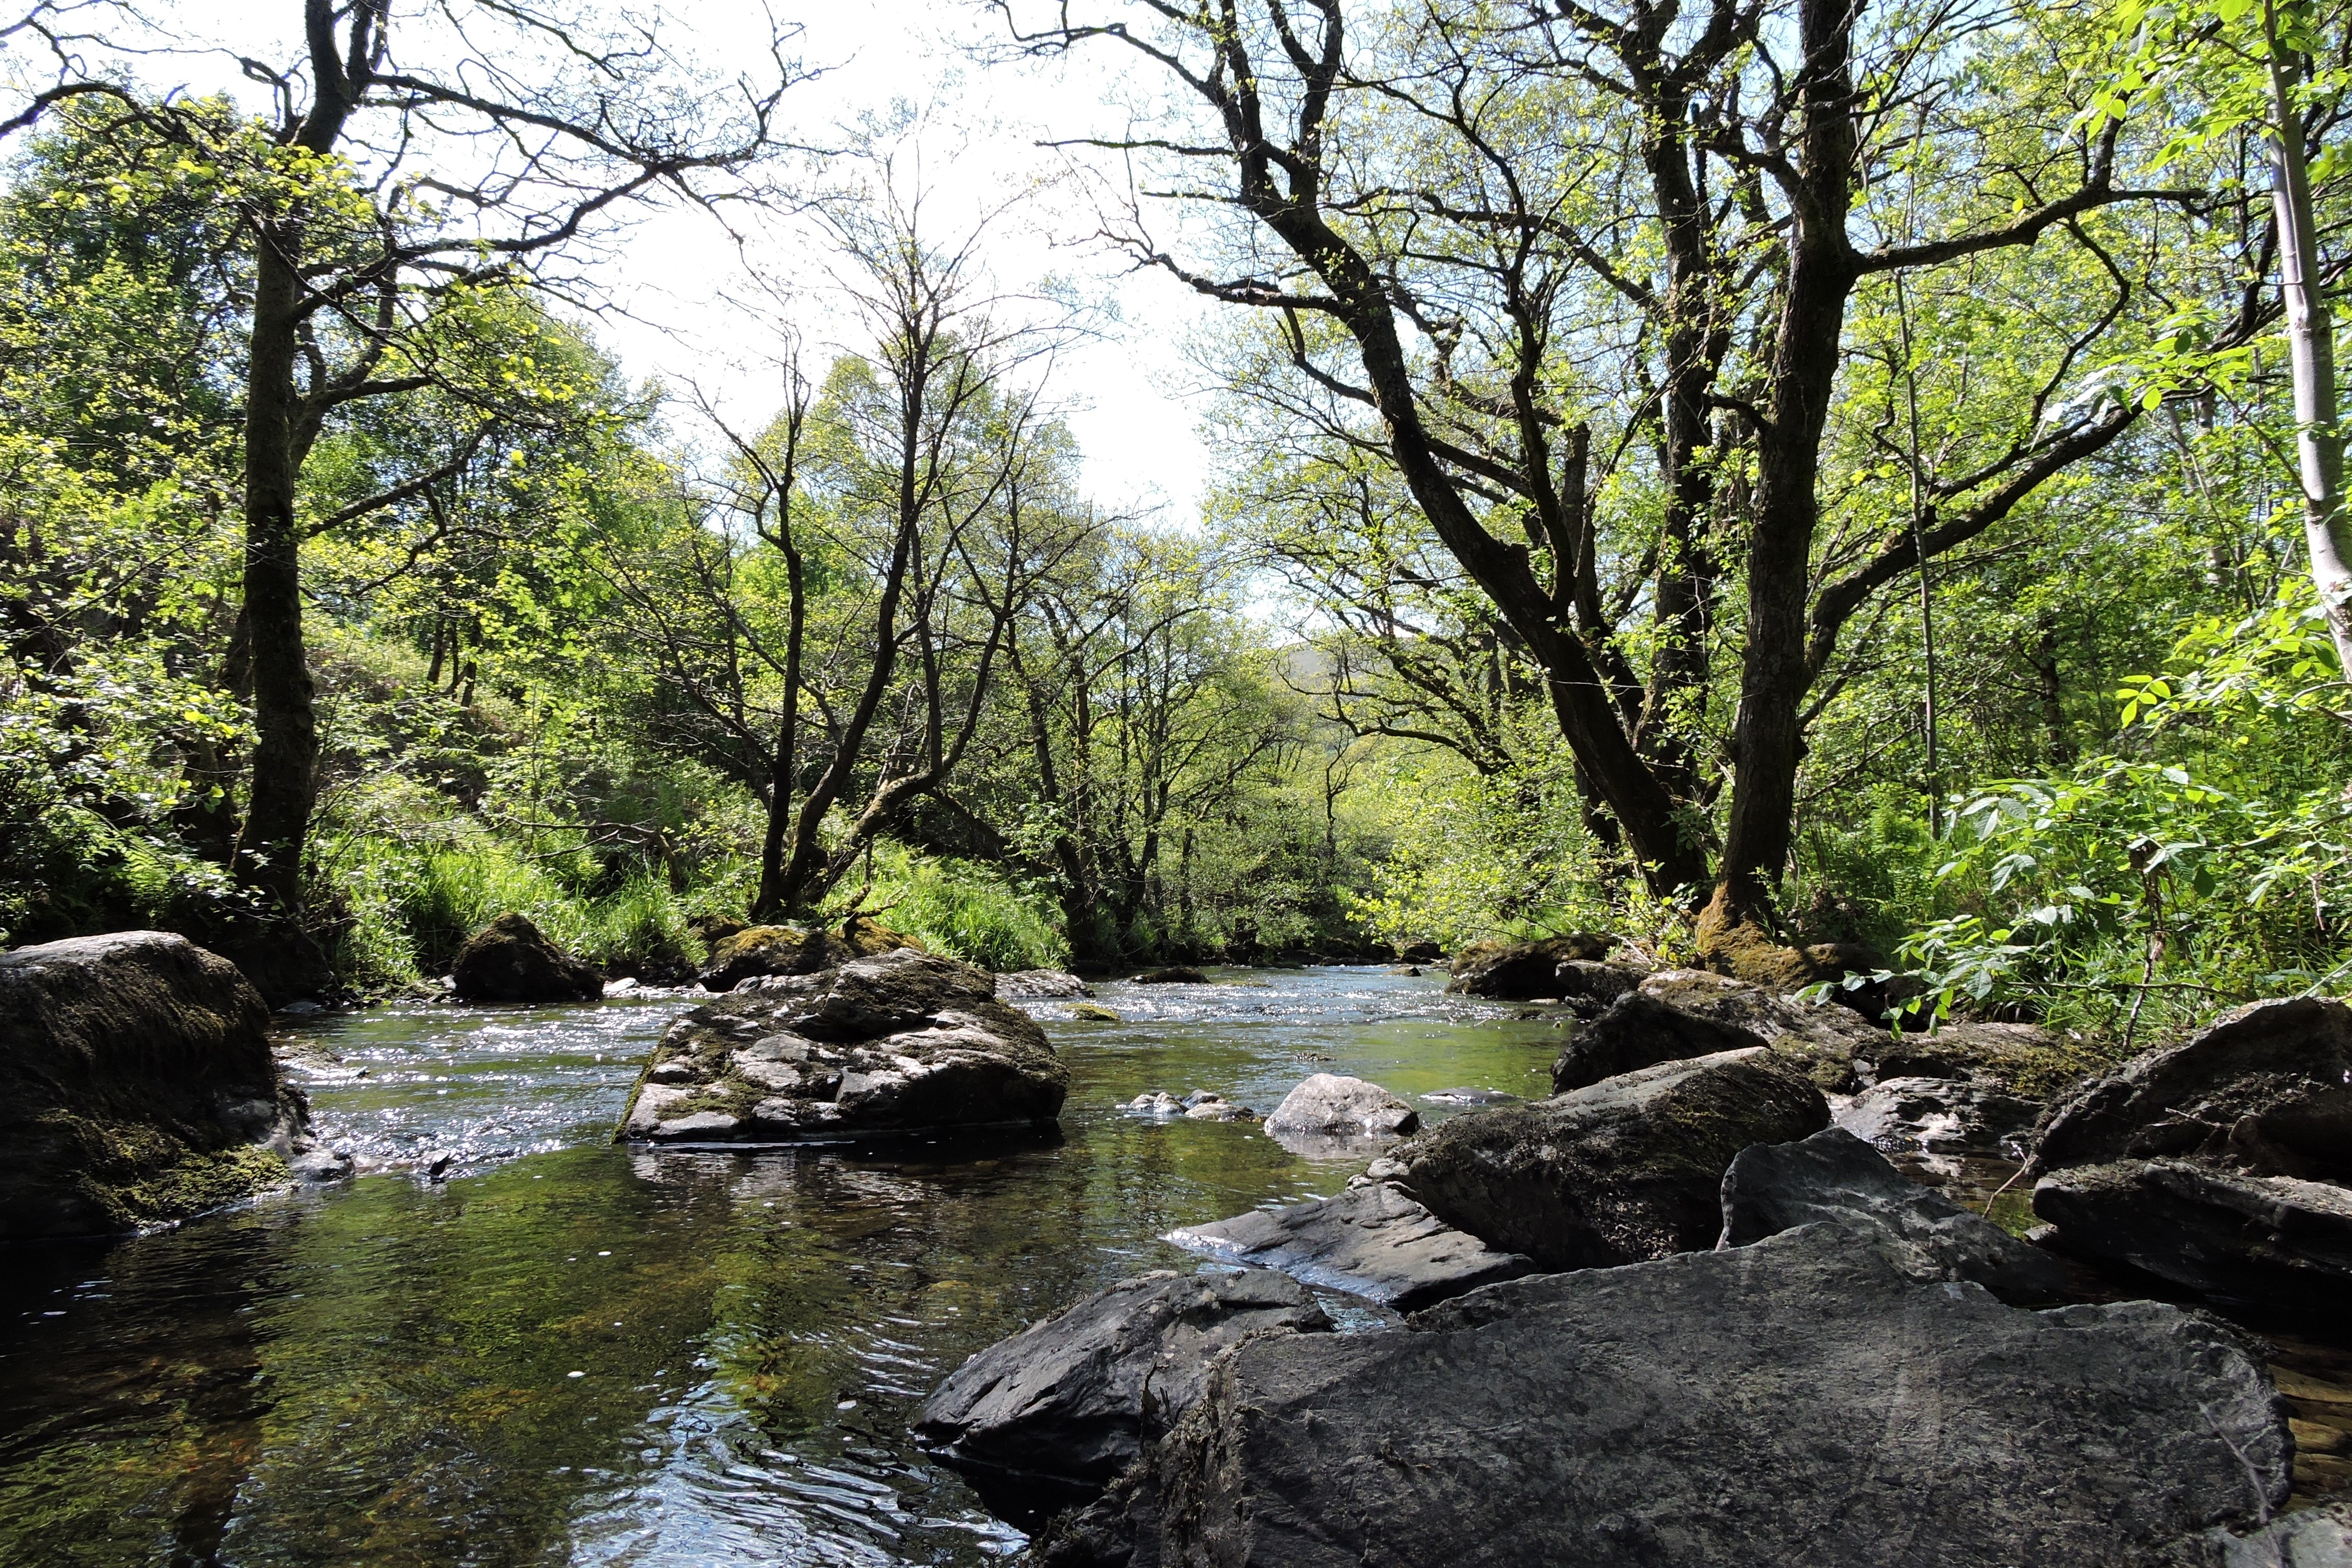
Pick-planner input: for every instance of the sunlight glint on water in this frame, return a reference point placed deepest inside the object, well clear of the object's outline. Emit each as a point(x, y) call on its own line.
point(384, 1372)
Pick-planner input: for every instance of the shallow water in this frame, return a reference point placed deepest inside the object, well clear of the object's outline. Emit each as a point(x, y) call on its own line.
point(566, 1351)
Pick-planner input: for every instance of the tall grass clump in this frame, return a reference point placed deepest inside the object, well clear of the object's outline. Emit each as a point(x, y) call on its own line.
point(963, 910)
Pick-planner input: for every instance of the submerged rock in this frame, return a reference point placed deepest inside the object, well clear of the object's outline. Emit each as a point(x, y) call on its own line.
point(1372, 1240)
point(1835, 1177)
point(1171, 975)
point(2267, 1089)
point(1202, 1106)
point(1937, 1116)
point(1803, 1400)
point(2276, 1239)
point(1039, 985)
point(902, 1042)
point(139, 1085)
point(1626, 1169)
point(1520, 972)
point(511, 959)
point(1329, 1114)
point(1061, 1408)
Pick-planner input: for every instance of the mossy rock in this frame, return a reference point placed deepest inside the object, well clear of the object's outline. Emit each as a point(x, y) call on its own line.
point(756, 952)
point(139, 1084)
point(2020, 1059)
point(511, 959)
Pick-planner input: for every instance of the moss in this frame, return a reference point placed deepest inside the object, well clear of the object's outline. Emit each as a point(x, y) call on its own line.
point(134, 1174)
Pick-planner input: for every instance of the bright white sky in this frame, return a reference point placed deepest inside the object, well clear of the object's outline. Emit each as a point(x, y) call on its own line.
point(1135, 400)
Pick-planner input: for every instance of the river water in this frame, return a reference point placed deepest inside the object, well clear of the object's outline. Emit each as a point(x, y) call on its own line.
point(564, 1351)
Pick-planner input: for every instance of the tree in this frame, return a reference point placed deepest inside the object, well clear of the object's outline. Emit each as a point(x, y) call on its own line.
point(1691, 255)
point(381, 193)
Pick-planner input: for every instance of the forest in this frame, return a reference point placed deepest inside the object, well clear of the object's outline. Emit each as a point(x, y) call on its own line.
point(1740, 478)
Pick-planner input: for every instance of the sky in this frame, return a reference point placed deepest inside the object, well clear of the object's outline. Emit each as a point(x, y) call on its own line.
point(674, 282)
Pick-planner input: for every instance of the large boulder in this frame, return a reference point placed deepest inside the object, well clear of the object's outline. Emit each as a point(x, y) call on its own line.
point(901, 1042)
point(511, 959)
point(758, 953)
point(1627, 1168)
point(2271, 1239)
point(1523, 971)
point(1329, 1114)
point(139, 1085)
point(2267, 1089)
point(1061, 1408)
point(1372, 1240)
point(1834, 1177)
point(1803, 1400)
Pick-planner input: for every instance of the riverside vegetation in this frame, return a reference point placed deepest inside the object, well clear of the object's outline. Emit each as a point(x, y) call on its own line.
point(1489, 629)
point(1716, 514)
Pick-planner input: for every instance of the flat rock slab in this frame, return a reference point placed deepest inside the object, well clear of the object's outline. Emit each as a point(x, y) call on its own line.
point(1937, 1116)
point(1066, 1404)
point(1639, 1031)
point(2276, 1239)
point(1372, 1240)
point(1802, 1401)
point(1835, 1177)
point(900, 1042)
point(1627, 1168)
point(1329, 1114)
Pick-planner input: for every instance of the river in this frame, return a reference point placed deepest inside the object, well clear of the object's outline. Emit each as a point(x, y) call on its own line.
point(559, 1351)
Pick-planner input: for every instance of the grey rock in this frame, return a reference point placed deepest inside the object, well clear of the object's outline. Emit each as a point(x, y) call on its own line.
point(511, 959)
point(1216, 1108)
point(1800, 1401)
point(1589, 986)
point(900, 1042)
point(1471, 1096)
point(1835, 1177)
point(2267, 1089)
point(139, 1086)
point(2314, 1538)
point(1372, 1241)
point(1825, 1040)
point(2021, 1059)
point(1626, 1169)
point(1937, 1116)
point(1162, 1103)
point(1039, 985)
point(1329, 1113)
point(1061, 1408)
point(321, 1166)
point(1640, 1031)
point(2278, 1239)
point(1519, 972)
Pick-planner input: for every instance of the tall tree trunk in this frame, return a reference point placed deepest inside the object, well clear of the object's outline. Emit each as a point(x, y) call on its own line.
point(2311, 337)
point(1768, 740)
point(770, 901)
point(285, 745)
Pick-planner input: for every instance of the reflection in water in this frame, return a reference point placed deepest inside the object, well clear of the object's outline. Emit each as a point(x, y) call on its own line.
point(575, 1353)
